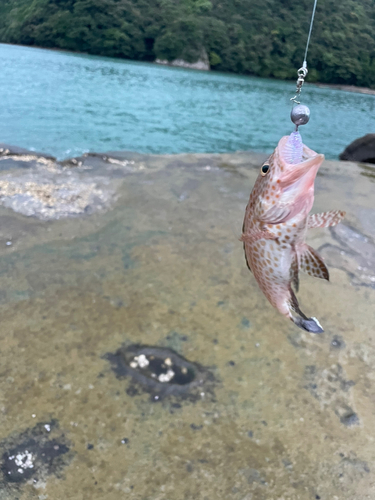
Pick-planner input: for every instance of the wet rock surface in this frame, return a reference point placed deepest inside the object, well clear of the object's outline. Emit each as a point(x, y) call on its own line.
point(330, 387)
point(36, 185)
point(353, 252)
point(159, 272)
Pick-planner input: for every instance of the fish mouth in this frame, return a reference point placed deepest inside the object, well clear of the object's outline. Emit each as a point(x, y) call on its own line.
point(294, 173)
point(302, 175)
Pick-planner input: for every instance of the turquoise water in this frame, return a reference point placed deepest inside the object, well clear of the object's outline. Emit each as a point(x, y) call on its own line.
point(66, 104)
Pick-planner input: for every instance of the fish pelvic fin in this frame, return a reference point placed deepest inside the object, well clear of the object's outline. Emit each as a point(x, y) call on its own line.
point(325, 219)
point(294, 270)
point(312, 263)
point(246, 259)
point(311, 325)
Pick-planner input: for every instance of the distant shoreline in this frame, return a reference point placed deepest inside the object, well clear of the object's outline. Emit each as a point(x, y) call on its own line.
point(333, 86)
point(345, 88)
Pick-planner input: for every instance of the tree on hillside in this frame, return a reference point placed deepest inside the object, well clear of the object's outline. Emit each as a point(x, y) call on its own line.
point(258, 37)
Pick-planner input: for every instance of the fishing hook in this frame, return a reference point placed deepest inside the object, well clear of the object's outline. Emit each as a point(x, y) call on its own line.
point(302, 72)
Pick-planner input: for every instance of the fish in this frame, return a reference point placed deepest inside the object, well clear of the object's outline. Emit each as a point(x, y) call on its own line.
point(276, 222)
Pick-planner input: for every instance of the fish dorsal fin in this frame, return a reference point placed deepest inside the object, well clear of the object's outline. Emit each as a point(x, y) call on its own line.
point(294, 268)
point(325, 219)
point(311, 263)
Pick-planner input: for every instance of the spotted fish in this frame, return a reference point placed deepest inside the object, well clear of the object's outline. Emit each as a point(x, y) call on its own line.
point(275, 226)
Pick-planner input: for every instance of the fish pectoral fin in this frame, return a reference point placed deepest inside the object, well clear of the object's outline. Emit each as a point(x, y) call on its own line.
point(251, 236)
point(294, 270)
point(311, 263)
point(275, 215)
point(325, 219)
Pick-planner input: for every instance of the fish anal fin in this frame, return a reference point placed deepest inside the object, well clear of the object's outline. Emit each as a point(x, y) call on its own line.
point(325, 219)
point(294, 270)
point(311, 263)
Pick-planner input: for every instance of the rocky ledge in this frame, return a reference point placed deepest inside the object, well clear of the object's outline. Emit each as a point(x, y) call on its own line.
point(139, 359)
point(38, 185)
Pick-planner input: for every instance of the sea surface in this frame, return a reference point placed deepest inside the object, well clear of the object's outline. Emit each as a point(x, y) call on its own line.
point(66, 104)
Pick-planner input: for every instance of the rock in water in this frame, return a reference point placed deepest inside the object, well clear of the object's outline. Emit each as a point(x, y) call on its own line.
point(362, 149)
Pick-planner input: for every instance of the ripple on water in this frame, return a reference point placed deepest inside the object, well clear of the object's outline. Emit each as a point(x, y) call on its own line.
point(74, 103)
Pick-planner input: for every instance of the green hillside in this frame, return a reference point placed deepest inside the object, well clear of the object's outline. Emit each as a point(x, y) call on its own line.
point(257, 37)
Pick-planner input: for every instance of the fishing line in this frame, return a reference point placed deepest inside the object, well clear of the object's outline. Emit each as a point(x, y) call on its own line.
point(308, 39)
point(302, 72)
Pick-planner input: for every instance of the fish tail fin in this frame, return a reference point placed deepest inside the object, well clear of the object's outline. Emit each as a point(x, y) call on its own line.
point(311, 325)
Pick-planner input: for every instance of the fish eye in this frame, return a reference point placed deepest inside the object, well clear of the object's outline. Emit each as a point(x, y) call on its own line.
point(264, 169)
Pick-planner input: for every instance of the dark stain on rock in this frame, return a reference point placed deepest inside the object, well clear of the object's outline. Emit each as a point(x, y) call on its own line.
point(34, 454)
point(330, 387)
point(196, 427)
point(253, 476)
point(245, 323)
point(346, 415)
point(161, 372)
point(337, 342)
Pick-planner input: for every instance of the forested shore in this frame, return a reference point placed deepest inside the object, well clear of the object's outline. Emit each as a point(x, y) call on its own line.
point(256, 37)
